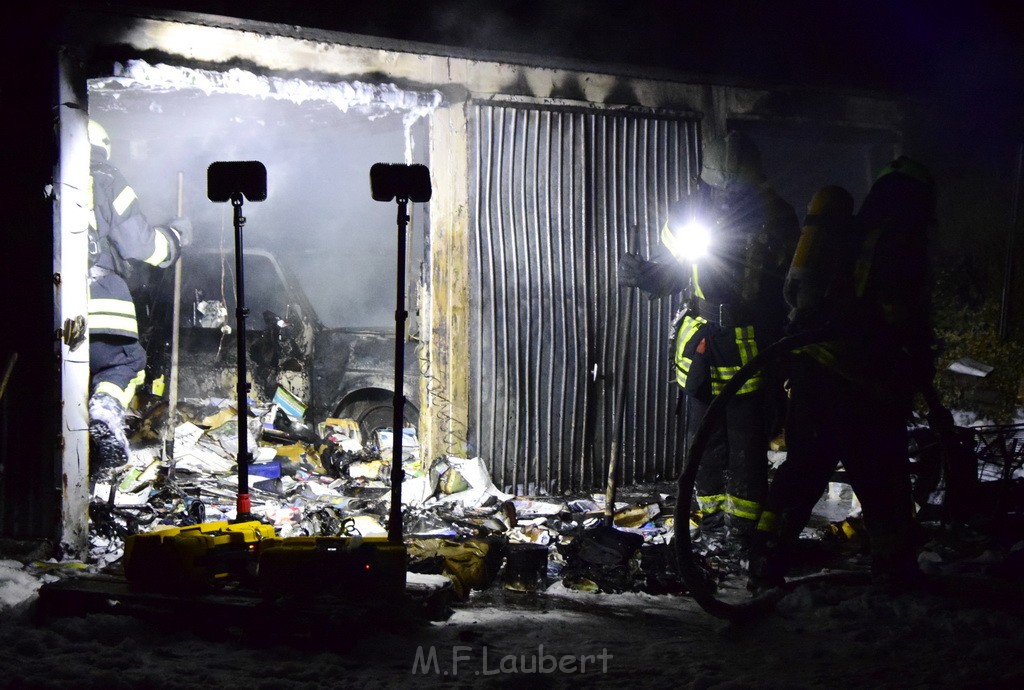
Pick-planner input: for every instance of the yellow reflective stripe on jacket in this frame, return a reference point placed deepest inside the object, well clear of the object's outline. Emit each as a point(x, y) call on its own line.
point(668, 238)
point(821, 352)
point(696, 282)
point(108, 314)
point(682, 370)
point(124, 200)
point(687, 329)
point(729, 504)
point(747, 348)
point(751, 385)
point(742, 507)
point(110, 322)
point(746, 344)
point(110, 305)
point(767, 522)
point(720, 376)
point(122, 395)
point(709, 505)
point(161, 251)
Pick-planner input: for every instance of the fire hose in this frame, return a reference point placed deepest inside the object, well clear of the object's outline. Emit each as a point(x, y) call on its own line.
point(691, 571)
point(693, 574)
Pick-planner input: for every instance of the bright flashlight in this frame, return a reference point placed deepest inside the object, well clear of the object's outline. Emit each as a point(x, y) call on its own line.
point(693, 239)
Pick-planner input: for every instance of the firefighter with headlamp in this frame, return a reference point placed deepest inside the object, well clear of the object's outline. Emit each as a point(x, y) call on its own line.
point(727, 246)
point(691, 239)
point(118, 234)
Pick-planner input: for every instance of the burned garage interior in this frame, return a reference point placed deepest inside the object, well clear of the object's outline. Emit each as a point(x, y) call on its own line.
point(419, 378)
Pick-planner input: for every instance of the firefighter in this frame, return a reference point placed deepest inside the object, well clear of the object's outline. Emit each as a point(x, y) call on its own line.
point(852, 393)
point(814, 272)
point(118, 234)
point(728, 245)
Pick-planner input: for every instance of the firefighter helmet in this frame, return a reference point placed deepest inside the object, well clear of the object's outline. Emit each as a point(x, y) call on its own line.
point(903, 183)
point(98, 137)
point(731, 159)
point(911, 168)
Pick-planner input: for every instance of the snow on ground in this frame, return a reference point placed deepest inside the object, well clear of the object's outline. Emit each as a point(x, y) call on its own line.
point(964, 630)
point(966, 633)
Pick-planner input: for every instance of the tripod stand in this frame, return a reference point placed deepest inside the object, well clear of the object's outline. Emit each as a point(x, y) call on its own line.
point(235, 181)
point(403, 183)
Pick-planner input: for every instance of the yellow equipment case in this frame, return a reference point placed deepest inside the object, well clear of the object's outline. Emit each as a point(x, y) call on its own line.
point(194, 558)
point(345, 566)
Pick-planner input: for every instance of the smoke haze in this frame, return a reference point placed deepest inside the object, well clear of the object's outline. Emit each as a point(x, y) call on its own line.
point(317, 142)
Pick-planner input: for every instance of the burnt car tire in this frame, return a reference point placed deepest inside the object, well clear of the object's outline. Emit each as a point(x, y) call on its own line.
point(376, 413)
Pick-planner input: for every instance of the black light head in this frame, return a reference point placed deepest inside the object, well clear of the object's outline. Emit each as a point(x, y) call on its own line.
point(225, 179)
point(389, 181)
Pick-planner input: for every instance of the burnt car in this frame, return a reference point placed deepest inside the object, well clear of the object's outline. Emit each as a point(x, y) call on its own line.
point(345, 372)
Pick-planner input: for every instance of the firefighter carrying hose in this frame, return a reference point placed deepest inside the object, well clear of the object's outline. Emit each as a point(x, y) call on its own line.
point(118, 233)
point(864, 280)
point(729, 244)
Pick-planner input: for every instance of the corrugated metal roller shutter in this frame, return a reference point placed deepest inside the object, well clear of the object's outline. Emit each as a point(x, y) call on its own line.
point(555, 194)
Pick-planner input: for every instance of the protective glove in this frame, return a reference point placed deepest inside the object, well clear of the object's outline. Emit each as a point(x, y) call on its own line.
point(173, 238)
point(183, 227)
point(650, 276)
point(629, 272)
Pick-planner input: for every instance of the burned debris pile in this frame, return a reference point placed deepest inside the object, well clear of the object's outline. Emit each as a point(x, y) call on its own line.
point(330, 481)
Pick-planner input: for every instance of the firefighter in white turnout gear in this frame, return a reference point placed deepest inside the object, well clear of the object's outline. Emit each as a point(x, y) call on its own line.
point(118, 234)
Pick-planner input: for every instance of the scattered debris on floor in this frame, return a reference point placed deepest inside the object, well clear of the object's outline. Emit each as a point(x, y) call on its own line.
point(332, 482)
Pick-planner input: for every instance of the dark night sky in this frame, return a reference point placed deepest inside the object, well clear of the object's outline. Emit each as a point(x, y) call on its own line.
point(968, 54)
point(963, 58)
point(907, 45)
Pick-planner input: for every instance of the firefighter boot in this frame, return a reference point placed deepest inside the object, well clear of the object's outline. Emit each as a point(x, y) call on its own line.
point(713, 531)
point(108, 444)
point(741, 532)
point(894, 567)
point(767, 567)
